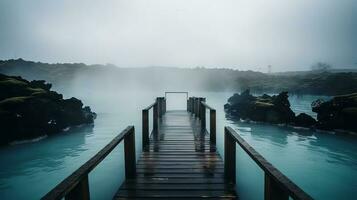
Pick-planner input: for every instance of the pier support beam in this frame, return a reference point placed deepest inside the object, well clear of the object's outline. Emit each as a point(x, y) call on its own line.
point(212, 127)
point(229, 157)
point(156, 117)
point(202, 113)
point(80, 191)
point(145, 128)
point(129, 154)
point(272, 191)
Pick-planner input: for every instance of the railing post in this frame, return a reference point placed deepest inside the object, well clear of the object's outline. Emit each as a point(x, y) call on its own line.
point(187, 105)
point(155, 117)
point(80, 191)
point(272, 191)
point(162, 106)
point(191, 104)
point(212, 126)
point(202, 113)
point(129, 154)
point(145, 126)
point(229, 157)
point(196, 106)
point(158, 101)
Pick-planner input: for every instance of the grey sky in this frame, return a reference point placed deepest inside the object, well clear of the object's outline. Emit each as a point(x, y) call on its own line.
point(244, 34)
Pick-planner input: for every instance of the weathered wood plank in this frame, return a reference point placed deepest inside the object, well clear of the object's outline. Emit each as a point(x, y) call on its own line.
point(175, 193)
point(185, 186)
point(177, 180)
point(180, 162)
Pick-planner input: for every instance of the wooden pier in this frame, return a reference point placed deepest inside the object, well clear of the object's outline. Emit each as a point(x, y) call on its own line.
point(179, 160)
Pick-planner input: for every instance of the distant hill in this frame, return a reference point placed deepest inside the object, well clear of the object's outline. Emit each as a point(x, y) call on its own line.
point(292, 73)
point(109, 78)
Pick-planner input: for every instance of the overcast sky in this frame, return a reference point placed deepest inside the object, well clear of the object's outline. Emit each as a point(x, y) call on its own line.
point(241, 34)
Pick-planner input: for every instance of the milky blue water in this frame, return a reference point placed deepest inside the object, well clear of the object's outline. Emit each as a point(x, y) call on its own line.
point(324, 165)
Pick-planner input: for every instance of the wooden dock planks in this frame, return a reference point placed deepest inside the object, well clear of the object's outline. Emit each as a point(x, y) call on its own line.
point(179, 163)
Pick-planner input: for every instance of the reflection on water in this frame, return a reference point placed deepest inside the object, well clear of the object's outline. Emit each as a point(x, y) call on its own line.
point(324, 165)
point(32, 165)
point(49, 155)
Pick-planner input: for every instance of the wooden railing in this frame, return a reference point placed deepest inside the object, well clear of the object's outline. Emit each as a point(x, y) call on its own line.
point(176, 92)
point(212, 121)
point(76, 186)
point(198, 106)
point(276, 185)
point(159, 108)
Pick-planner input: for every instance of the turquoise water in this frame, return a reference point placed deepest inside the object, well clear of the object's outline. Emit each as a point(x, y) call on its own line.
point(324, 165)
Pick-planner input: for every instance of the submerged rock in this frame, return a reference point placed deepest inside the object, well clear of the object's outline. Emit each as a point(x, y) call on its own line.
point(29, 110)
point(338, 113)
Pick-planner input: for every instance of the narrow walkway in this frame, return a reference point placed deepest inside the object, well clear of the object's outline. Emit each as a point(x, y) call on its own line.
point(179, 163)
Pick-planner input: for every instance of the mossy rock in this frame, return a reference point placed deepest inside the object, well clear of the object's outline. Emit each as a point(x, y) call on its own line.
point(265, 100)
point(14, 100)
point(263, 104)
point(351, 98)
point(26, 108)
point(39, 93)
point(33, 90)
point(351, 111)
point(12, 81)
point(353, 95)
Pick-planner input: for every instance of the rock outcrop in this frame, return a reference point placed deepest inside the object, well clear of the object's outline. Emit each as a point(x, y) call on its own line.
point(29, 109)
point(338, 113)
point(272, 109)
point(304, 120)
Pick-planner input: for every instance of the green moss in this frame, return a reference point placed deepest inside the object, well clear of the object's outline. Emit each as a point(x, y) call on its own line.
point(34, 91)
point(353, 95)
point(263, 104)
point(14, 100)
point(264, 100)
point(350, 111)
point(350, 97)
point(38, 93)
point(12, 81)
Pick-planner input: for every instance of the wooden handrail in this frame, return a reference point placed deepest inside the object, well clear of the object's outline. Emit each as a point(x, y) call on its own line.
point(194, 105)
point(159, 108)
point(212, 120)
point(76, 186)
point(150, 106)
point(176, 92)
point(277, 185)
point(207, 106)
point(198, 106)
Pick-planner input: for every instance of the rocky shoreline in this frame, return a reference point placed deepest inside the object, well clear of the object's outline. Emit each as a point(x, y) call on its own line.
point(29, 109)
point(338, 114)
